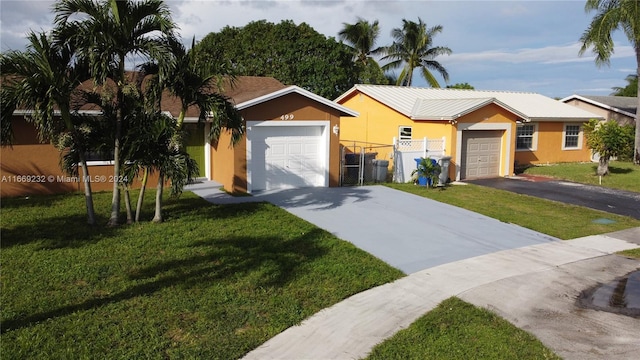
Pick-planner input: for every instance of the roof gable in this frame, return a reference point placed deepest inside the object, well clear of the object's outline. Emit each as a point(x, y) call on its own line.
point(624, 105)
point(528, 106)
point(298, 90)
point(451, 109)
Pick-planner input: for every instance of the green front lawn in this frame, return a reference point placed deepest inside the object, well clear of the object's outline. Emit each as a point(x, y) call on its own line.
point(215, 281)
point(556, 219)
point(623, 176)
point(212, 282)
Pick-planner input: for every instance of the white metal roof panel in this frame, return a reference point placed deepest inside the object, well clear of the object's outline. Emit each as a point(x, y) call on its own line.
point(530, 106)
point(451, 109)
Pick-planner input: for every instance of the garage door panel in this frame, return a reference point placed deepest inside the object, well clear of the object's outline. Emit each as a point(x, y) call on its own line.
point(293, 157)
point(481, 154)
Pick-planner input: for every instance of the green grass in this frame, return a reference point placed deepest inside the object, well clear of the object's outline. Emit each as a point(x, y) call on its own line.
point(556, 219)
point(211, 282)
point(458, 330)
point(623, 176)
point(634, 253)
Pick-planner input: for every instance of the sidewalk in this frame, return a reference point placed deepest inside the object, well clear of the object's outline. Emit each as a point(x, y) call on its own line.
point(351, 328)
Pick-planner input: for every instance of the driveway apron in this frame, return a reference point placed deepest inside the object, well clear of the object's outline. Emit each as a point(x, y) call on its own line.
point(407, 231)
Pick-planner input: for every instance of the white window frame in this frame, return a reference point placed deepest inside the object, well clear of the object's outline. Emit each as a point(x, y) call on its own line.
point(402, 137)
point(534, 137)
point(564, 137)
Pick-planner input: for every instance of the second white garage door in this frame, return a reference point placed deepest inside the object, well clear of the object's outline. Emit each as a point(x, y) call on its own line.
point(481, 154)
point(285, 157)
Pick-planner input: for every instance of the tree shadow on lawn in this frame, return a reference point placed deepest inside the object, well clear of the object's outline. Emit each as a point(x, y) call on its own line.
point(613, 170)
point(277, 259)
point(72, 231)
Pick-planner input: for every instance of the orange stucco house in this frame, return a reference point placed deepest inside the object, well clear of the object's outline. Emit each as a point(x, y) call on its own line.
point(291, 141)
point(484, 132)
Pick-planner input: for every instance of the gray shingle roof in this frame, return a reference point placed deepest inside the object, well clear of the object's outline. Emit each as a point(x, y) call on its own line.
point(625, 104)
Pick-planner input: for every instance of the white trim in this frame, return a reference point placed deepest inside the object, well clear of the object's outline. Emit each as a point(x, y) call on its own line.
point(22, 112)
point(564, 134)
point(534, 138)
point(207, 151)
point(300, 91)
point(274, 123)
point(484, 126)
point(99, 162)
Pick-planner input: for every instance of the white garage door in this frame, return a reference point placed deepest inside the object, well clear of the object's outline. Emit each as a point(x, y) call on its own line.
point(481, 154)
point(285, 157)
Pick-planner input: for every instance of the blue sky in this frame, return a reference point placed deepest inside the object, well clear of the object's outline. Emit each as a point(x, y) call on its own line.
point(497, 45)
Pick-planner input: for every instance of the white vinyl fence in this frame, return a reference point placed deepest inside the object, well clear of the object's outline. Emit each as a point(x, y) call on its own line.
point(406, 151)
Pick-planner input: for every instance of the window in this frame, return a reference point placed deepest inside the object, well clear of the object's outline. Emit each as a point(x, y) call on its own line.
point(571, 136)
point(404, 133)
point(99, 158)
point(526, 137)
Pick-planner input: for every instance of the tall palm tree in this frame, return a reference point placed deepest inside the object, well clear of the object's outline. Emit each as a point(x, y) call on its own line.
point(361, 37)
point(630, 90)
point(106, 33)
point(194, 82)
point(412, 48)
point(44, 78)
point(612, 15)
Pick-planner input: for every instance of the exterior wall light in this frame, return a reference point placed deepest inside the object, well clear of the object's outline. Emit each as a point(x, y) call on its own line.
point(336, 129)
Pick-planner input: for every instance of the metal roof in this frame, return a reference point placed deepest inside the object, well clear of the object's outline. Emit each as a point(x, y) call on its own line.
point(451, 109)
point(431, 104)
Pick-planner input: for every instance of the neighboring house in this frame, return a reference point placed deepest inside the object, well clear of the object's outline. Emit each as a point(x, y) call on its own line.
point(484, 132)
point(619, 108)
point(291, 141)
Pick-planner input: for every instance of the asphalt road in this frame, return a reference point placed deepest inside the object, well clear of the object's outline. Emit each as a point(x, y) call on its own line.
point(619, 202)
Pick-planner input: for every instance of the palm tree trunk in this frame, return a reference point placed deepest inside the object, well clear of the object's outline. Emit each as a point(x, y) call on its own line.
point(158, 216)
point(143, 187)
point(127, 204)
point(115, 199)
point(636, 147)
point(86, 180)
point(88, 195)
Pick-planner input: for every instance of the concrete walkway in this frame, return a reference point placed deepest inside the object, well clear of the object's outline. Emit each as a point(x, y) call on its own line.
point(534, 287)
point(528, 278)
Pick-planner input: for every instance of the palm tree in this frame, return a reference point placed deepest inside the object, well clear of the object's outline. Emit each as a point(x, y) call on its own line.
point(195, 83)
point(106, 33)
point(612, 15)
point(630, 90)
point(44, 77)
point(412, 48)
point(361, 38)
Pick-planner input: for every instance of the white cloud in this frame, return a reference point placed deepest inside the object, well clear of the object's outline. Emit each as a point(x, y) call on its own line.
point(554, 54)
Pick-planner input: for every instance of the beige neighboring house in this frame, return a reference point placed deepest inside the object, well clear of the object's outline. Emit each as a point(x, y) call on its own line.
point(619, 108)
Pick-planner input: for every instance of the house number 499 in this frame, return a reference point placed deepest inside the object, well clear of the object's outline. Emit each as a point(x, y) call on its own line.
point(286, 117)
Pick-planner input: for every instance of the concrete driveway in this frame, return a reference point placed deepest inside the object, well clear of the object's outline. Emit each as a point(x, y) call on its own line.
point(407, 231)
point(619, 202)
